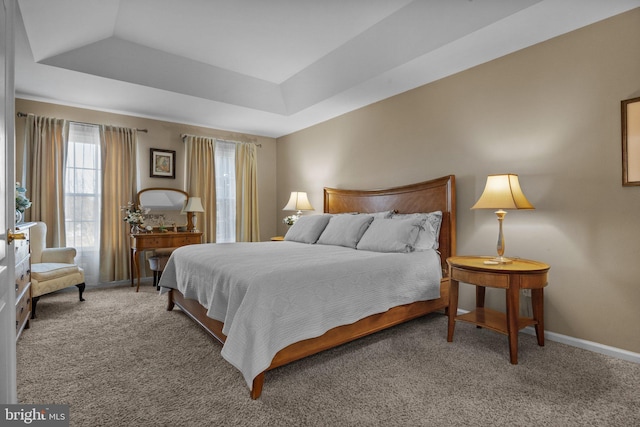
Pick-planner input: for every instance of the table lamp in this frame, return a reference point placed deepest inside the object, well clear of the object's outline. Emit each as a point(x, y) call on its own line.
point(298, 202)
point(502, 192)
point(194, 204)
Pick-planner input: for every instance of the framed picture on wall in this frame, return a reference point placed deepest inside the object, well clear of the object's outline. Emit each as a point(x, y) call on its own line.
point(631, 142)
point(162, 163)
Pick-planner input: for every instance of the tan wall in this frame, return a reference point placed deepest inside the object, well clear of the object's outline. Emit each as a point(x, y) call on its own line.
point(550, 113)
point(166, 135)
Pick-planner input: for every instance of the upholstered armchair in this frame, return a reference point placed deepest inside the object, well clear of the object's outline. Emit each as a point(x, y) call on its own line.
point(52, 269)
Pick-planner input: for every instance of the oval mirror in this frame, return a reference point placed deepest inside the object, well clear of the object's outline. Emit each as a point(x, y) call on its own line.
point(165, 206)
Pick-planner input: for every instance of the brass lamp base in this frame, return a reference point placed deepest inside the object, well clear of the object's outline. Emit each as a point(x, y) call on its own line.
point(500, 259)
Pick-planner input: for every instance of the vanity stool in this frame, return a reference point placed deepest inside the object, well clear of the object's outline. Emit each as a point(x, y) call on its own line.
point(157, 263)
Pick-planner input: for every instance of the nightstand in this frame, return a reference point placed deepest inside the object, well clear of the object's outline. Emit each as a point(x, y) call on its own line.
point(520, 274)
point(277, 239)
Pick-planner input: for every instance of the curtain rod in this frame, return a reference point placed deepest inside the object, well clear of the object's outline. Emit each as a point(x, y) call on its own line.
point(19, 114)
point(184, 135)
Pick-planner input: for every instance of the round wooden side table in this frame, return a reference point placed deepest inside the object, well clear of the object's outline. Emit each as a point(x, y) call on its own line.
point(483, 273)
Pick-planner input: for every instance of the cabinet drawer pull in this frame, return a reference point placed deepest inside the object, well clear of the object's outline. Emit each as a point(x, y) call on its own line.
point(17, 287)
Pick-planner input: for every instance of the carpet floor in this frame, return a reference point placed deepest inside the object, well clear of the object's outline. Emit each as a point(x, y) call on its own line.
point(121, 359)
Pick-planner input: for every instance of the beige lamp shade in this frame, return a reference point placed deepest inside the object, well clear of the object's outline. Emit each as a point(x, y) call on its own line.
point(298, 202)
point(502, 192)
point(194, 204)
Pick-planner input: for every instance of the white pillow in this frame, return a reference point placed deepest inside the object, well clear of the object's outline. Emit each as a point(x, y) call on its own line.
point(383, 214)
point(391, 235)
point(430, 234)
point(345, 230)
point(307, 229)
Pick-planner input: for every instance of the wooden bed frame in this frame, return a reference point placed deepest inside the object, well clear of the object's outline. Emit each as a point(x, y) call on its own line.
point(429, 196)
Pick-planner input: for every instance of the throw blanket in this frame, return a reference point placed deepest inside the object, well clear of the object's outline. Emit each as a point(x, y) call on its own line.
point(272, 294)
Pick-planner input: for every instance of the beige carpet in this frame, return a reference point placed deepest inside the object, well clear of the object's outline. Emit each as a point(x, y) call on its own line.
point(120, 359)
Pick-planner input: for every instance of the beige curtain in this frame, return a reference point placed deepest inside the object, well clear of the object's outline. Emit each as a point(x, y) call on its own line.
point(201, 182)
point(40, 169)
point(119, 166)
point(247, 227)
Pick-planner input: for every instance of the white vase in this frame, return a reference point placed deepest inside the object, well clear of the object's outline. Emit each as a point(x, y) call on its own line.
point(19, 216)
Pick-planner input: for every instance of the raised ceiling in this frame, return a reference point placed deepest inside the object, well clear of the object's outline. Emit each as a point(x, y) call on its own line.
point(268, 67)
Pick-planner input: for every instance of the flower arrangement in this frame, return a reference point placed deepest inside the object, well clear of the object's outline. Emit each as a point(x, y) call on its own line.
point(22, 202)
point(134, 215)
point(290, 220)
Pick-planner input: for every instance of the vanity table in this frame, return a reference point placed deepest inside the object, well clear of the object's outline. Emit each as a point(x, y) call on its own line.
point(165, 209)
point(156, 240)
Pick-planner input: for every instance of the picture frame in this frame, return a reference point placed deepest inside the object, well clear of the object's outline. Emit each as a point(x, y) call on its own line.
point(162, 163)
point(630, 142)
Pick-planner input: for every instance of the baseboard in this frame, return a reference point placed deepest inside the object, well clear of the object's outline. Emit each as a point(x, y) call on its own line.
point(583, 344)
point(587, 345)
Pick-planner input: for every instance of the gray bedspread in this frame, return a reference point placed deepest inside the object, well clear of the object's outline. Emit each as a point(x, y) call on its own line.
point(272, 294)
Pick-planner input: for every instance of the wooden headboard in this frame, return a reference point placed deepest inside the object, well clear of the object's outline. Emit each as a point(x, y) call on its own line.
point(434, 195)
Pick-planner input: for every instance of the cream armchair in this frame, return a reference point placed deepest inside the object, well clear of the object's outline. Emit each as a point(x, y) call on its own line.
point(52, 269)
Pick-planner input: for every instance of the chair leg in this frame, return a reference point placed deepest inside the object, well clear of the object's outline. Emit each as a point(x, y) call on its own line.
point(158, 282)
point(81, 290)
point(34, 302)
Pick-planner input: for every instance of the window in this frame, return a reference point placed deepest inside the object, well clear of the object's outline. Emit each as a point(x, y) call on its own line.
point(82, 196)
point(225, 170)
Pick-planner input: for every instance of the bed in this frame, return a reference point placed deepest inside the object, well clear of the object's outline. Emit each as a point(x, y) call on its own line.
point(272, 278)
